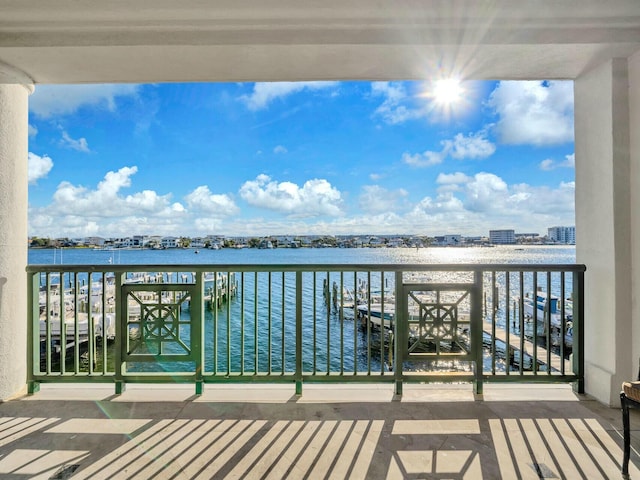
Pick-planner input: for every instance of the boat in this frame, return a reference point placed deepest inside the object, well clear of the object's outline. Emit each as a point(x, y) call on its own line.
point(547, 310)
point(374, 313)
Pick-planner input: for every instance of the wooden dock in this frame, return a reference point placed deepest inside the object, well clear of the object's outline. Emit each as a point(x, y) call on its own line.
point(541, 352)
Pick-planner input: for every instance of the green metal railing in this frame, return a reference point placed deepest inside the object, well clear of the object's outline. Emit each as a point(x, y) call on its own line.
point(305, 323)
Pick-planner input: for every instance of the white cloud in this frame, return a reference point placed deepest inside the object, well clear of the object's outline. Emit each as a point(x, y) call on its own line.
point(38, 167)
point(425, 159)
point(452, 178)
point(266, 92)
point(484, 192)
point(106, 200)
point(474, 146)
point(215, 205)
point(78, 211)
point(80, 144)
point(376, 199)
point(486, 201)
point(550, 164)
point(50, 100)
point(315, 198)
point(461, 147)
point(33, 131)
point(547, 164)
point(280, 150)
point(376, 176)
point(397, 105)
point(533, 112)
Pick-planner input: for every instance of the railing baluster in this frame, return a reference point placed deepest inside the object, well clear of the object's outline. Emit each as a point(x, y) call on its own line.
point(341, 327)
point(214, 300)
point(48, 318)
point(494, 310)
point(256, 362)
point(382, 328)
point(298, 346)
point(368, 333)
point(549, 326)
point(563, 323)
point(228, 297)
point(241, 323)
point(315, 320)
point(63, 325)
point(521, 326)
point(282, 327)
point(356, 317)
point(325, 293)
point(535, 323)
point(269, 329)
point(507, 321)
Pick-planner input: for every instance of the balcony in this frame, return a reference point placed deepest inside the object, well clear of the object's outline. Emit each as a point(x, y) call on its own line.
point(346, 431)
point(302, 324)
point(337, 371)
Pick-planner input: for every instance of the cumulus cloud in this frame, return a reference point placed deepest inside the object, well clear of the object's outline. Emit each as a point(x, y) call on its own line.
point(106, 200)
point(266, 92)
point(315, 198)
point(474, 146)
point(550, 164)
point(376, 199)
point(461, 147)
point(80, 144)
point(484, 191)
point(38, 167)
point(79, 211)
point(533, 112)
point(50, 100)
point(215, 205)
point(486, 201)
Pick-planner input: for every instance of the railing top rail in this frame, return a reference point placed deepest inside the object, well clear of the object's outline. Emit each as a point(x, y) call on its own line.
point(378, 267)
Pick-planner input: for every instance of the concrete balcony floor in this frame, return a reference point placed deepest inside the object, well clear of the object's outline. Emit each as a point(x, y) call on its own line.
point(332, 431)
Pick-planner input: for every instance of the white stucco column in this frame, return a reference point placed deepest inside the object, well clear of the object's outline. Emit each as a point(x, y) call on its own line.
point(13, 236)
point(634, 157)
point(604, 221)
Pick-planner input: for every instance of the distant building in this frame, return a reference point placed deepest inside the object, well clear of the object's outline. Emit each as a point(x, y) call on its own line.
point(170, 242)
point(94, 241)
point(448, 240)
point(562, 235)
point(502, 237)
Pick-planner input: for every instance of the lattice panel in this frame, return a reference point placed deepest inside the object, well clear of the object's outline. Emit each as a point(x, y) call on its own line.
point(438, 322)
point(158, 323)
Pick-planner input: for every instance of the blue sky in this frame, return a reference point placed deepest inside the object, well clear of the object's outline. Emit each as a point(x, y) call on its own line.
point(300, 158)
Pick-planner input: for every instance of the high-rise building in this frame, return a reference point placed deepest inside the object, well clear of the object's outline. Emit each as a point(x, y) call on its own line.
point(502, 237)
point(562, 234)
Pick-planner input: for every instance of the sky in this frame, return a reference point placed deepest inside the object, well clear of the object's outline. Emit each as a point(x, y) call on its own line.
point(301, 158)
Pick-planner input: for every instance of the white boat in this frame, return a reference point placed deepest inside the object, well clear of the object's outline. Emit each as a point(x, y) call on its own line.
point(375, 314)
point(547, 310)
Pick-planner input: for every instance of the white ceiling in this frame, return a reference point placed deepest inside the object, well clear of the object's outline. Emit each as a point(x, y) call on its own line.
point(78, 41)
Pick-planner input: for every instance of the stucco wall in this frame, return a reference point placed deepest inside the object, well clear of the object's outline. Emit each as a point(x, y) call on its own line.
point(603, 224)
point(13, 238)
point(634, 142)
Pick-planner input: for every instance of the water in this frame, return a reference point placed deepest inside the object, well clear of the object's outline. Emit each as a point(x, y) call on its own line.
point(244, 327)
point(500, 254)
